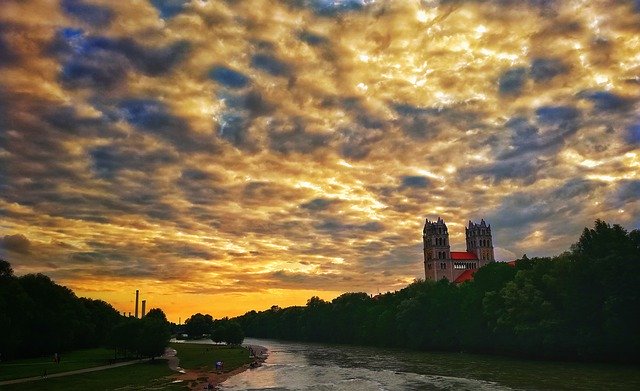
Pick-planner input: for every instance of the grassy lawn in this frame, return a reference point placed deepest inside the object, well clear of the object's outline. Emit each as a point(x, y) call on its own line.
point(70, 361)
point(201, 356)
point(145, 376)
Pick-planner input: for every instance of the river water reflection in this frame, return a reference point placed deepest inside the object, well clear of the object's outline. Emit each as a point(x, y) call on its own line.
point(315, 367)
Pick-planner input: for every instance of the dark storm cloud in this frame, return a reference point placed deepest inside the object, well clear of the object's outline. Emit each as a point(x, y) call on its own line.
point(512, 80)
point(101, 62)
point(17, 243)
point(94, 15)
point(169, 8)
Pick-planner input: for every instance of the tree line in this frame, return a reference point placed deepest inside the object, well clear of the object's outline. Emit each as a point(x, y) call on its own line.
point(219, 330)
point(583, 304)
point(39, 317)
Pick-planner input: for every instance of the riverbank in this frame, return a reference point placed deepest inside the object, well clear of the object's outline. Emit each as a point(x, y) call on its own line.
point(199, 379)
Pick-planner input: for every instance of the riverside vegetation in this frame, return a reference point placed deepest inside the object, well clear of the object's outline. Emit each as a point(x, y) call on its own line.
point(583, 304)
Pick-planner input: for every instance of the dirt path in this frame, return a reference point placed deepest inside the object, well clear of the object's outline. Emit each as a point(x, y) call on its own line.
point(69, 373)
point(169, 355)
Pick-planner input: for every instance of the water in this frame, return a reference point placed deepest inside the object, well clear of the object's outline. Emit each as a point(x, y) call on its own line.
point(317, 367)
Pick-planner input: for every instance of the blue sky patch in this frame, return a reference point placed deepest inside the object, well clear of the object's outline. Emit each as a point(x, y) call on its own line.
point(228, 77)
point(169, 8)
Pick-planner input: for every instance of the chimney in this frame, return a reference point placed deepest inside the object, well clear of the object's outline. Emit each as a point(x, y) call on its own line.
point(137, 295)
point(144, 305)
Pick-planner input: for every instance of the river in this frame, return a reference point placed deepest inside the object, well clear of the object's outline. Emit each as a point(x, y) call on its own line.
point(318, 367)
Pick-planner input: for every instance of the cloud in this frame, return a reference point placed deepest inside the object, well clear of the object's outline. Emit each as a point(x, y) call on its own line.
point(270, 65)
point(175, 143)
point(17, 243)
point(544, 69)
point(415, 181)
point(102, 62)
point(319, 204)
point(511, 81)
point(91, 14)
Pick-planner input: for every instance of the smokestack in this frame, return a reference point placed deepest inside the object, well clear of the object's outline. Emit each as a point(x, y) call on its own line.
point(144, 304)
point(137, 295)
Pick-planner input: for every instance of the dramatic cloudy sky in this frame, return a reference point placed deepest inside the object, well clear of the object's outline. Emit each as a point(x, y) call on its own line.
point(222, 156)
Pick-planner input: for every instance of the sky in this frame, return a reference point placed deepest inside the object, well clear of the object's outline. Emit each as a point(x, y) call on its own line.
point(223, 156)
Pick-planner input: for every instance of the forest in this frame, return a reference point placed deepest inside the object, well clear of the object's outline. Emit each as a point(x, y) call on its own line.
point(583, 304)
point(39, 317)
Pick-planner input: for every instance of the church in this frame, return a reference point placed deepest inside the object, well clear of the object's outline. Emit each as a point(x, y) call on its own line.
point(457, 266)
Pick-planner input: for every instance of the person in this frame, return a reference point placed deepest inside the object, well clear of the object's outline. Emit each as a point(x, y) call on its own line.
point(55, 358)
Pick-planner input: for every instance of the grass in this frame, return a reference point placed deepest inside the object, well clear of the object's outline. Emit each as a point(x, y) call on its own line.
point(202, 356)
point(70, 361)
point(153, 375)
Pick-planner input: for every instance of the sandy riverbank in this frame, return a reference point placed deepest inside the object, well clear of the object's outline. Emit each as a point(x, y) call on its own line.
point(199, 380)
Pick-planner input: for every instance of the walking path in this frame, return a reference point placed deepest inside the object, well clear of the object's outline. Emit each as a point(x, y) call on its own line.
point(169, 354)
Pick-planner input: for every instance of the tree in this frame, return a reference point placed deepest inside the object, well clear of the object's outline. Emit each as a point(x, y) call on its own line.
point(5, 269)
point(198, 324)
point(154, 336)
point(157, 313)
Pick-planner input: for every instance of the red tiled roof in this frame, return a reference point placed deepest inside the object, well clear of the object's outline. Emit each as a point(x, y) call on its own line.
point(466, 275)
point(463, 256)
point(512, 263)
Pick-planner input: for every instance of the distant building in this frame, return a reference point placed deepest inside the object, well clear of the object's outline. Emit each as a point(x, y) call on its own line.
point(458, 266)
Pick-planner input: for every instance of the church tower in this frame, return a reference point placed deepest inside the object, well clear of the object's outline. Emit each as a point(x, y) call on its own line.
point(437, 251)
point(479, 241)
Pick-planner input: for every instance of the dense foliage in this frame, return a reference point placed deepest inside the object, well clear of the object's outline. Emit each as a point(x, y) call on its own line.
point(144, 337)
point(583, 304)
point(39, 317)
point(220, 330)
